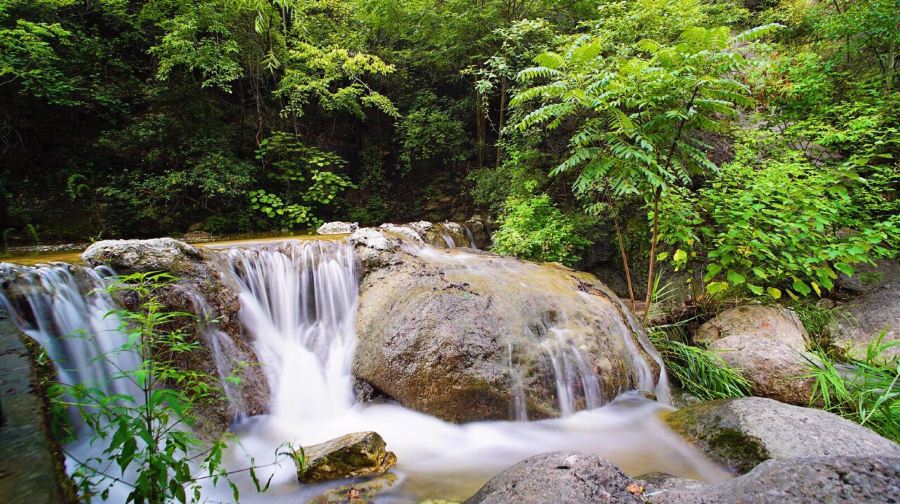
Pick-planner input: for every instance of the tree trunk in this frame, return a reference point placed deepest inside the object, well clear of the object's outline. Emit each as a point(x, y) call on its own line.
point(625, 262)
point(503, 87)
point(652, 254)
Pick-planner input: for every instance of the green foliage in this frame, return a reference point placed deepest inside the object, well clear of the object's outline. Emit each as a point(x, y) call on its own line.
point(148, 432)
point(429, 134)
point(304, 178)
point(699, 372)
point(774, 226)
point(533, 228)
point(865, 391)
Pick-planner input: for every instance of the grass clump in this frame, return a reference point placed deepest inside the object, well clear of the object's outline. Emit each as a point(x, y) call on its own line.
point(700, 372)
point(865, 391)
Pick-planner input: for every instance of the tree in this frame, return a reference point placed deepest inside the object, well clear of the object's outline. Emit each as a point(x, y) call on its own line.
point(638, 112)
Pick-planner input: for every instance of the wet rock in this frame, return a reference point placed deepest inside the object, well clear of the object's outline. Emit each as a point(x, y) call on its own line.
point(202, 290)
point(659, 483)
point(774, 369)
point(337, 227)
point(836, 480)
point(864, 318)
point(349, 456)
point(741, 433)
point(472, 336)
point(559, 478)
point(158, 254)
point(756, 321)
point(869, 277)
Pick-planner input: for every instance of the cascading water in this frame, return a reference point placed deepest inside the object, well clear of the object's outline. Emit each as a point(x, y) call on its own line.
point(298, 305)
point(298, 301)
point(67, 310)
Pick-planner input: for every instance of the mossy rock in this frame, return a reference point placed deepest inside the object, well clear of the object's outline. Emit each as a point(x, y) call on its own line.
point(349, 456)
point(742, 433)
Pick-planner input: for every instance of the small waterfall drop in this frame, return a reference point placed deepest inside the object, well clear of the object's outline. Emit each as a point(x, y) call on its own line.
point(298, 301)
point(67, 310)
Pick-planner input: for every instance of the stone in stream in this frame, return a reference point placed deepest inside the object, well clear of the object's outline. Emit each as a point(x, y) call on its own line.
point(349, 456)
point(468, 335)
point(357, 493)
point(741, 433)
point(337, 227)
point(768, 346)
point(835, 480)
point(560, 478)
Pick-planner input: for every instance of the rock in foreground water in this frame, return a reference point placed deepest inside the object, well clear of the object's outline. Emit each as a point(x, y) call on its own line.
point(560, 478)
point(349, 456)
point(835, 480)
point(337, 227)
point(741, 433)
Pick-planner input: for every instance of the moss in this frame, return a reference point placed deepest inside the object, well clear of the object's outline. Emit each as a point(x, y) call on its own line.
point(737, 451)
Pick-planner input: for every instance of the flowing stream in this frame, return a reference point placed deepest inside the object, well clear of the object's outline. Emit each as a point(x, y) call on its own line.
point(298, 304)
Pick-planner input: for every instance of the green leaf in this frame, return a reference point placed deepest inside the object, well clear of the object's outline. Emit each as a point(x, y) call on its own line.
point(775, 293)
point(735, 278)
point(711, 271)
point(755, 289)
point(844, 268)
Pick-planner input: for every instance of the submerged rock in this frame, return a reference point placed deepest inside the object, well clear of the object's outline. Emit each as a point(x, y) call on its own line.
point(349, 456)
point(358, 493)
point(836, 480)
point(560, 478)
point(741, 433)
point(472, 336)
point(337, 227)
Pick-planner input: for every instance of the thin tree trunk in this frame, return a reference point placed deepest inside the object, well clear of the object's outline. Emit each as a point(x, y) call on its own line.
point(503, 86)
point(652, 254)
point(625, 262)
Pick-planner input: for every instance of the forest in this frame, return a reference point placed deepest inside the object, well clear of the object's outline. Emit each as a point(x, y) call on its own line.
point(697, 156)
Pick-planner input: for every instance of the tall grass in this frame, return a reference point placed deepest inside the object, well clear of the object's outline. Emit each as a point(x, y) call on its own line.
point(700, 372)
point(865, 391)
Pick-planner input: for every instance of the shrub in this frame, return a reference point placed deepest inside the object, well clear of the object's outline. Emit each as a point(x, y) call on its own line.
point(533, 228)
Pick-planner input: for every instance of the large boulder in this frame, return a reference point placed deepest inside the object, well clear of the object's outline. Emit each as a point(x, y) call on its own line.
point(756, 321)
point(767, 344)
point(559, 478)
point(875, 310)
point(472, 336)
point(158, 254)
point(836, 480)
point(741, 433)
point(774, 369)
point(349, 456)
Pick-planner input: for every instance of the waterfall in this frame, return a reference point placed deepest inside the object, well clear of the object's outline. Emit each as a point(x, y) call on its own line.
point(67, 310)
point(298, 301)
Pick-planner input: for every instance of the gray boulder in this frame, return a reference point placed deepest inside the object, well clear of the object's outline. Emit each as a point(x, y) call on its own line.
point(835, 480)
point(741, 433)
point(767, 344)
point(469, 336)
point(337, 227)
point(158, 254)
point(559, 478)
point(756, 321)
point(864, 318)
point(774, 369)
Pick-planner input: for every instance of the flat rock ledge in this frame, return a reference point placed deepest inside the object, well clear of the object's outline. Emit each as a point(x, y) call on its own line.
point(349, 456)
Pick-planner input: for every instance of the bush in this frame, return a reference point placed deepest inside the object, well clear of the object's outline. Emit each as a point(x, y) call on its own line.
point(533, 228)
